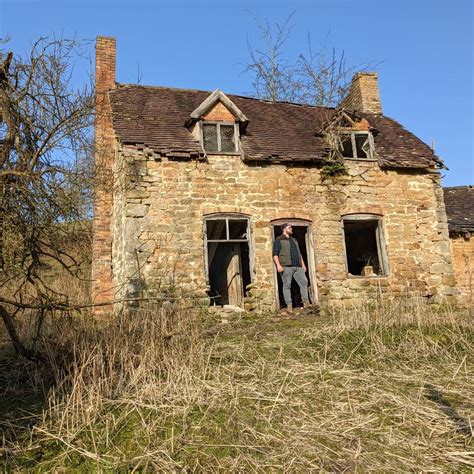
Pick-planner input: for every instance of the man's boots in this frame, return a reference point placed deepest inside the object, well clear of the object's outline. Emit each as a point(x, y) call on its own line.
point(311, 307)
point(288, 310)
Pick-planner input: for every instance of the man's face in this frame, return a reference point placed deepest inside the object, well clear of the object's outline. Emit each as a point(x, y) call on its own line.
point(288, 230)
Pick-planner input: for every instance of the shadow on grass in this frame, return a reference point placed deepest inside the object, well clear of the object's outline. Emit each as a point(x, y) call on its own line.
point(23, 397)
point(462, 424)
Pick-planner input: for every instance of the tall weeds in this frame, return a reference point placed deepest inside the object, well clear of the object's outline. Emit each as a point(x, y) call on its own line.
point(139, 356)
point(381, 386)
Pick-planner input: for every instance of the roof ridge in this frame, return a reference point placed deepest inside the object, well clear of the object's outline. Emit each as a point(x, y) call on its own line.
point(124, 84)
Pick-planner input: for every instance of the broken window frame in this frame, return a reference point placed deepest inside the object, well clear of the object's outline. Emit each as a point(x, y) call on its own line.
point(227, 217)
point(219, 139)
point(370, 141)
point(380, 241)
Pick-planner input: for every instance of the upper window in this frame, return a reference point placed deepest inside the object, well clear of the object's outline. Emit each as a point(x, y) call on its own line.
point(357, 145)
point(219, 137)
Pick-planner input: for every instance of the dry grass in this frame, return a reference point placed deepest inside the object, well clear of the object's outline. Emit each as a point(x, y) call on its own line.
point(387, 388)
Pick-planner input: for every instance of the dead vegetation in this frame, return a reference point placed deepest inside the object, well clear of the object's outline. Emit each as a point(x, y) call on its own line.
point(385, 388)
point(46, 179)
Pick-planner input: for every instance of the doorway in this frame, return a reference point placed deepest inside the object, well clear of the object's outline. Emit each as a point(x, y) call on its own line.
point(227, 254)
point(302, 234)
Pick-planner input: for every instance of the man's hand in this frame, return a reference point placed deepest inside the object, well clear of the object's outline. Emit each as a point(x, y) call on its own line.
point(280, 268)
point(304, 268)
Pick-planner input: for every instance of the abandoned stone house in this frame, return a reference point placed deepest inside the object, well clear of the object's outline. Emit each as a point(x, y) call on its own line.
point(459, 201)
point(201, 182)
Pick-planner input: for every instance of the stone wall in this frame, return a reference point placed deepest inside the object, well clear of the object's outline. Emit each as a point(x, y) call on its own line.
point(164, 203)
point(462, 248)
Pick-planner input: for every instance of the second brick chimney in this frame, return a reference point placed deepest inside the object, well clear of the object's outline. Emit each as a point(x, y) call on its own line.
point(104, 155)
point(364, 95)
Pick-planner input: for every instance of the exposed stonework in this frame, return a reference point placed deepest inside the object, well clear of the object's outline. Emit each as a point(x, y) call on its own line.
point(166, 201)
point(462, 248)
point(459, 201)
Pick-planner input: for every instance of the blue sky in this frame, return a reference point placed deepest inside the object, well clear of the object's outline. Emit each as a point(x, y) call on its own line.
point(425, 50)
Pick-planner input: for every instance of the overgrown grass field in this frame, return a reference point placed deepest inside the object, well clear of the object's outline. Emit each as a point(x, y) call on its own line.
point(386, 387)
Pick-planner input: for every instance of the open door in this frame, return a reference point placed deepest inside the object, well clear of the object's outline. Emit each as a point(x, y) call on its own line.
point(302, 233)
point(235, 288)
point(227, 259)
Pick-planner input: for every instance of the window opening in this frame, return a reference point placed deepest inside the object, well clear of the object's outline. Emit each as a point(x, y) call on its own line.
point(219, 137)
point(227, 259)
point(365, 254)
point(238, 229)
point(216, 230)
point(356, 145)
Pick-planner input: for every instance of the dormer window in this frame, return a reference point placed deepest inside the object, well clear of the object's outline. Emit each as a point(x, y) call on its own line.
point(350, 137)
point(218, 123)
point(219, 137)
point(356, 145)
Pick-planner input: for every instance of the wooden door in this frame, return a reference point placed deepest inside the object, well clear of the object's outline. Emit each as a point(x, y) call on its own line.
point(234, 277)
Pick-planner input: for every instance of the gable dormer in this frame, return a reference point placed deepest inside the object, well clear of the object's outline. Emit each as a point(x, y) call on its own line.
point(218, 124)
point(351, 137)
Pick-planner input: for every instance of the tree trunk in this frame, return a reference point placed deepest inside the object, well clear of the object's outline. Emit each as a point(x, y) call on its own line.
point(17, 344)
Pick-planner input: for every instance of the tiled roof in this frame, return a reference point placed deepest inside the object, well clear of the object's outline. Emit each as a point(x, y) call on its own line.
point(459, 203)
point(277, 131)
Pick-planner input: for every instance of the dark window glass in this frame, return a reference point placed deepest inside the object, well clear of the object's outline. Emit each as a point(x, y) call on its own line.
point(216, 230)
point(346, 143)
point(227, 138)
point(209, 134)
point(362, 145)
point(238, 229)
point(362, 246)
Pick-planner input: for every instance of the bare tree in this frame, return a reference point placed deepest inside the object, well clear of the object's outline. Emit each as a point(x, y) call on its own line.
point(45, 127)
point(320, 76)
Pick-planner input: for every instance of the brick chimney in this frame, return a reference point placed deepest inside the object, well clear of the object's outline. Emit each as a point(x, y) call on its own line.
point(364, 95)
point(104, 155)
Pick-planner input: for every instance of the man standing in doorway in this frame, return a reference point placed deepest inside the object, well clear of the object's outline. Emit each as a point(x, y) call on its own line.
point(290, 264)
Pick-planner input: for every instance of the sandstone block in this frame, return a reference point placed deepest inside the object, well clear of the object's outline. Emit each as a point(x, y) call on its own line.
point(137, 210)
point(440, 268)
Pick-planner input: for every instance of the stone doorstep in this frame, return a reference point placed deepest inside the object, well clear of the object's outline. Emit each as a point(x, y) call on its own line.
point(226, 312)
